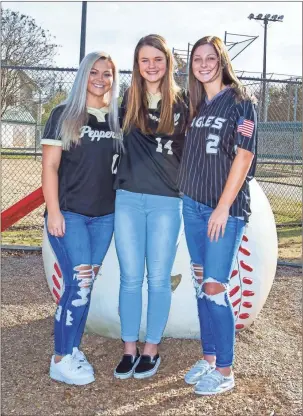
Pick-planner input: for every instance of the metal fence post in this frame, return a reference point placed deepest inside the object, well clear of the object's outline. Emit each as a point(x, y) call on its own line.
point(295, 102)
point(267, 99)
point(289, 103)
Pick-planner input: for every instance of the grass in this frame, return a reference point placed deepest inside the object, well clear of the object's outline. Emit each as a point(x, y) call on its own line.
point(278, 170)
point(9, 153)
point(290, 244)
point(4, 156)
point(289, 238)
point(285, 210)
point(23, 237)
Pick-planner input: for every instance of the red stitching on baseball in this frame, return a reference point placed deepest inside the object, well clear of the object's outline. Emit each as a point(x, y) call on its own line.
point(235, 303)
point(239, 326)
point(56, 295)
point(55, 280)
point(248, 293)
point(234, 291)
point(246, 266)
point(58, 271)
point(247, 304)
point(244, 315)
point(247, 281)
point(235, 313)
point(244, 251)
point(244, 238)
point(234, 273)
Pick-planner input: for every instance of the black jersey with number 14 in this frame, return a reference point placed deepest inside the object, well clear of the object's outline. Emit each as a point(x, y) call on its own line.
point(150, 161)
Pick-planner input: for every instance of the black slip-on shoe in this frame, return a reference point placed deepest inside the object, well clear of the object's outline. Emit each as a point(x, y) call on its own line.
point(127, 365)
point(147, 366)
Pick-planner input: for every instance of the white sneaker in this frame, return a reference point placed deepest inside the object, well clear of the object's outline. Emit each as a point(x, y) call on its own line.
point(69, 371)
point(82, 360)
point(201, 368)
point(214, 383)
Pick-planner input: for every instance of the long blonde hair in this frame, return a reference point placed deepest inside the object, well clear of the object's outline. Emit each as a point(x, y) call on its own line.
point(75, 115)
point(137, 103)
point(196, 88)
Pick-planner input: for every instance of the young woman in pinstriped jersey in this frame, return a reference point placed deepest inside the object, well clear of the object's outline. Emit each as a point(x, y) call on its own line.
point(217, 164)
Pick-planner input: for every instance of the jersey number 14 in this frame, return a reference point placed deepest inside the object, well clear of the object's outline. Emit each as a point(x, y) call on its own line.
point(167, 146)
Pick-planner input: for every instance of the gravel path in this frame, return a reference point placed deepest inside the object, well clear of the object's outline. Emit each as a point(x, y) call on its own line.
point(268, 359)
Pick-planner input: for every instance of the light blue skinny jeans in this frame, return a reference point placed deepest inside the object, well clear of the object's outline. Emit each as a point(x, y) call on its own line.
point(147, 228)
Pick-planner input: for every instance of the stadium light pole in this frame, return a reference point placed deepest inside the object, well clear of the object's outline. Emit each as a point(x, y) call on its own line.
point(266, 18)
point(83, 31)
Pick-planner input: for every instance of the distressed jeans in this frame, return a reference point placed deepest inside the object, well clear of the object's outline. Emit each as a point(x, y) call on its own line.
point(212, 262)
point(80, 253)
point(147, 228)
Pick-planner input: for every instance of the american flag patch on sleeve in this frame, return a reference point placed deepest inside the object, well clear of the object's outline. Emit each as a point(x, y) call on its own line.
point(245, 127)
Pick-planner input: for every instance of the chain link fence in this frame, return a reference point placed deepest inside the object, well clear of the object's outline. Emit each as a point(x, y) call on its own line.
point(29, 95)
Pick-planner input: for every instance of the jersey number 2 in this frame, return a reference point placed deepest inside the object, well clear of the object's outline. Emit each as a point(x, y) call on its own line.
point(166, 146)
point(212, 143)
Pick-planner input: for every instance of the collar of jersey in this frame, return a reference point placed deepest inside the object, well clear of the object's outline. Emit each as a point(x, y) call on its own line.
point(153, 100)
point(207, 101)
point(99, 113)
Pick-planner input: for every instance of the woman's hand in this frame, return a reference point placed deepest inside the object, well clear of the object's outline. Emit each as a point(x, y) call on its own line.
point(217, 222)
point(56, 224)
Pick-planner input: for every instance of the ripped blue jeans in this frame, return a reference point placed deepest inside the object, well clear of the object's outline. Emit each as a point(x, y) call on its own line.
point(80, 253)
point(212, 262)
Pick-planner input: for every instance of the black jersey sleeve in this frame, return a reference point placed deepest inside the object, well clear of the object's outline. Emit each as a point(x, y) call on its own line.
point(246, 126)
point(50, 130)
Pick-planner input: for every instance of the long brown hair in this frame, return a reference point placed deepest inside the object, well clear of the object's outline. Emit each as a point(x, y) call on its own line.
point(137, 103)
point(196, 88)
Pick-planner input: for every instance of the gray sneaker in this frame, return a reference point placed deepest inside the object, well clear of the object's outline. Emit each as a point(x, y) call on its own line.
point(214, 383)
point(201, 368)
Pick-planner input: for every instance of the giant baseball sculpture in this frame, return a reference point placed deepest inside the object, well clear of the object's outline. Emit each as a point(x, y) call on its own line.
point(251, 279)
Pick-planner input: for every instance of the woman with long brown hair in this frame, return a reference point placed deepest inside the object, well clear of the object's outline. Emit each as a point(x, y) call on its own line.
point(148, 209)
point(217, 164)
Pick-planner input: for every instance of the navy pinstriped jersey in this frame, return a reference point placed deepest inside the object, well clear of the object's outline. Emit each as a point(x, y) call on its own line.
point(221, 126)
point(150, 162)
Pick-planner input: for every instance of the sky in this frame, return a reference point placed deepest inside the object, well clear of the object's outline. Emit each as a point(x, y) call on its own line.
point(116, 27)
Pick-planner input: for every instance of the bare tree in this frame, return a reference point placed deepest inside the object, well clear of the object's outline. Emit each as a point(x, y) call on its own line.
point(23, 43)
point(180, 62)
point(180, 70)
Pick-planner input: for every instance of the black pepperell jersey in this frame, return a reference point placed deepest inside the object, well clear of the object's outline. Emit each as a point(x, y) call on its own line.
point(86, 171)
point(222, 125)
point(150, 162)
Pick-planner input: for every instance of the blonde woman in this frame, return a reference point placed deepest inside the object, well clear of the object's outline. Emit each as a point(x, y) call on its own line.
point(79, 153)
point(148, 205)
point(217, 164)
